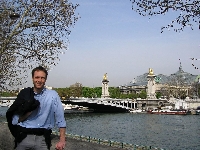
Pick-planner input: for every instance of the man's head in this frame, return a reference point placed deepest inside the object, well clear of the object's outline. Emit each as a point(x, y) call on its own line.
point(39, 77)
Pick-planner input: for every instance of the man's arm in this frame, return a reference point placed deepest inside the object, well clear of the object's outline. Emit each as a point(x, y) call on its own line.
point(61, 144)
point(62, 134)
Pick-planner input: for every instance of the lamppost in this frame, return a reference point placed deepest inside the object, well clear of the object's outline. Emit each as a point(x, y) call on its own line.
point(12, 16)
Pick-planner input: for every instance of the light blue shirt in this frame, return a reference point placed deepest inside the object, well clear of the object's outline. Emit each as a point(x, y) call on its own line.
point(49, 113)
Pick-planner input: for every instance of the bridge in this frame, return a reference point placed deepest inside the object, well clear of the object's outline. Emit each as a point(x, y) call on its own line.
point(103, 105)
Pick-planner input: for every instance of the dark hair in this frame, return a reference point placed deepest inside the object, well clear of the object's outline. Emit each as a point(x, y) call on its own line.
point(40, 68)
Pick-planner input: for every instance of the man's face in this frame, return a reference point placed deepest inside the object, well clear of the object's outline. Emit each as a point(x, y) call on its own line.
point(39, 79)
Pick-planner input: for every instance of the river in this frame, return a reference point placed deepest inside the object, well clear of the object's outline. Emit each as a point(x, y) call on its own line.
point(171, 132)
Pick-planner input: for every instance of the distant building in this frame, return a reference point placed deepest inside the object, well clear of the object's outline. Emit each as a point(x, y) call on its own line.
point(175, 80)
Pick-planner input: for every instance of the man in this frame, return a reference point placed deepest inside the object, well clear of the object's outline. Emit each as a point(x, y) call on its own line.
point(33, 117)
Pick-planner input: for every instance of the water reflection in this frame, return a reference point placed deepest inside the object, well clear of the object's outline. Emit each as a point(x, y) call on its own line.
point(163, 131)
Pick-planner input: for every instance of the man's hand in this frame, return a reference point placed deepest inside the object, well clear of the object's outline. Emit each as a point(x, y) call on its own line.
point(60, 145)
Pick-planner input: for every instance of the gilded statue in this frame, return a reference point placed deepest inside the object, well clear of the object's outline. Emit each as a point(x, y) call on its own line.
point(150, 71)
point(105, 76)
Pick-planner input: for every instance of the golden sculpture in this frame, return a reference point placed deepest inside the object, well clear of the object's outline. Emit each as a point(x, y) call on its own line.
point(105, 76)
point(150, 71)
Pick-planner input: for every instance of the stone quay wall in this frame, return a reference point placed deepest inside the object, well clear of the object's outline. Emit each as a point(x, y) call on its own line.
point(7, 142)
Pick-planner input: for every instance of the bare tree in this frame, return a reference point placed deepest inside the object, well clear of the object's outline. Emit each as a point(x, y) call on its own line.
point(76, 89)
point(195, 90)
point(38, 37)
point(189, 11)
point(194, 64)
point(179, 86)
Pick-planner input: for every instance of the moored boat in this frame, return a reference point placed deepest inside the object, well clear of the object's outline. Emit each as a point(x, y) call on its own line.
point(194, 112)
point(137, 111)
point(5, 103)
point(168, 111)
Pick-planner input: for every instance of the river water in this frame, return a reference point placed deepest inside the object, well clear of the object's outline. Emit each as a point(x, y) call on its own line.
point(171, 132)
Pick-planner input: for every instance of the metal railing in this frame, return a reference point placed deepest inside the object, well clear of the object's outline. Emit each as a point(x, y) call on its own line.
point(111, 143)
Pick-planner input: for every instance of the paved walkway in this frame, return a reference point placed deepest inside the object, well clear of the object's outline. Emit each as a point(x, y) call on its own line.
point(6, 142)
point(74, 144)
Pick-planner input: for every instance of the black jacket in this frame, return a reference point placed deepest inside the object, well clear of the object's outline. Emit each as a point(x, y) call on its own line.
point(24, 103)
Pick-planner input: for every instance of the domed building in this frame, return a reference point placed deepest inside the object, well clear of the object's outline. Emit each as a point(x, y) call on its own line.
point(179, 79)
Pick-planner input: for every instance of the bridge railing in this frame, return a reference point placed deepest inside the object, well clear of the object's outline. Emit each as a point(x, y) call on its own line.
point(126, 104)
point(112, 102)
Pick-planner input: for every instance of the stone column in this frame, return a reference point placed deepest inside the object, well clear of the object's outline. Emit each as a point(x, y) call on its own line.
point(105, 93)
point(151, 85)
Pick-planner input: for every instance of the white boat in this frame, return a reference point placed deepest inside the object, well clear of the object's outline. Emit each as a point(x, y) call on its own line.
point(137, 111)
point(67, 106)
point(6, 103)
point(194, 112)
point(167, 111)
point(81, 108)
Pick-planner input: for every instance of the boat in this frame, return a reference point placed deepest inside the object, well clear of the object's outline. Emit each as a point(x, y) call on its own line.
point(68, 108)
point(6, 103)
point(137, 111)
point(197, 112)
point(194, 112)
point(168, 111)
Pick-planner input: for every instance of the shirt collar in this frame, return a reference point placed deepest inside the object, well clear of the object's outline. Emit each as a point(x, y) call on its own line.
point(43, 90)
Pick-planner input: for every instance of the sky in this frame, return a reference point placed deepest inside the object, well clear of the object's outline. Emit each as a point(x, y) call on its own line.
point(112, 38)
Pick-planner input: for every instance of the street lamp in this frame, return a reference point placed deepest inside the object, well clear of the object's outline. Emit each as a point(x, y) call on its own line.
point(14, 16)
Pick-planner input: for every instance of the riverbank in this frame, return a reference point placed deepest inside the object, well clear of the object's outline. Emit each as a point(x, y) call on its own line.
point(6, 142)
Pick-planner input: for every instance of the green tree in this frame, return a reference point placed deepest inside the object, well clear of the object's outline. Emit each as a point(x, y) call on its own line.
point(64, 93)
point(39, 35)
point(114, 92)
point(76, 89)
point(8, 94)
point(87, 92)
point(97, 91)
point(123, 96)
point(143, 94)
point(135, 95)
point(158, 95)
point(91, 92)
point(188, 13)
